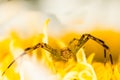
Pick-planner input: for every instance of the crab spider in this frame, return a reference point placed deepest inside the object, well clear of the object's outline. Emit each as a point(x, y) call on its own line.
point(68, 52)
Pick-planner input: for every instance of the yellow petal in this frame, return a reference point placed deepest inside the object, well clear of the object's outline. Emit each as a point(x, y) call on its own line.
point(90, 58)
point(81, 56)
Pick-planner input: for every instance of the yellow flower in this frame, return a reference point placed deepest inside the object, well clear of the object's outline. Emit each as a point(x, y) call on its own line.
point(82, 70)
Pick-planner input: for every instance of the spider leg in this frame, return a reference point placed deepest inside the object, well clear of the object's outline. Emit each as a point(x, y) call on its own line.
point(74, 39)
point(12, 63)
point(80, 43)
point(74, 48)
point(39, 45)
point(105, 56)
point(86, 37)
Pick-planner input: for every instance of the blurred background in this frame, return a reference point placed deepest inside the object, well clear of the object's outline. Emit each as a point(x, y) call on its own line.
point(98, 17)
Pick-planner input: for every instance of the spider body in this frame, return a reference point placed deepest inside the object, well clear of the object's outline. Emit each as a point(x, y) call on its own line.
point(69, 52)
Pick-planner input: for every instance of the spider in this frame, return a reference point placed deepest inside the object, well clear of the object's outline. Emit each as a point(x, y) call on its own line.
point(68, 52)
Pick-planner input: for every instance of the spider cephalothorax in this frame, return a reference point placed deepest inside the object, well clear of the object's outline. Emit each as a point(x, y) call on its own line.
point(69, 52)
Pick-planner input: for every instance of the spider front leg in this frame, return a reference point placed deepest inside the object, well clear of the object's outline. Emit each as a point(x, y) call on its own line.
point(102, 43)
point(84, 38)
point(39, 45)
